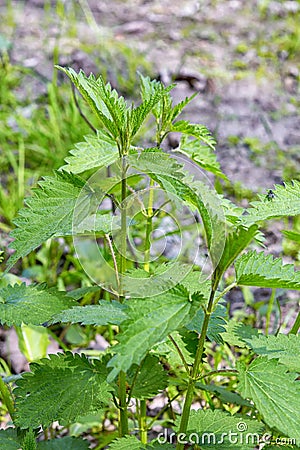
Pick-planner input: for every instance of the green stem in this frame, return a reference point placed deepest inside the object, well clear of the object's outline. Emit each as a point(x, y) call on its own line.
point(195, 371)
point(296, 325)
point(107, 237)
point(6, 398)
point(181, 355)
point(149, 228)
point(143, 406)
point(269, 311)
point(123, 222)
point(123, 413)
point(143, 422)
point(220, 372)
point(58, 340)
point(161, 411)
point(231, 286)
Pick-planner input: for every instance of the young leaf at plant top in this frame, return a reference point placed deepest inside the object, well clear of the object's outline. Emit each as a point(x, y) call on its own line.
point(285, 203)
point(274, 392)
point(150, 321)
point(70, 384)
point(121, 121)
point(211, 429)
point(258, 269)
point(31, 304)
point(104, 101)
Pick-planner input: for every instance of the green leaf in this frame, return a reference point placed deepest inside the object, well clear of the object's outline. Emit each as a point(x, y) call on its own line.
point(139, 283)
point(201, 154)
point(96, 152)
point(286, 203)
point(151, 378)
point(102, 99)
point(79, 293)
point(274, 392)
point(177, 109)
point(33, 341)
point(63, 387)
point(283, 443)
point(215, 326)
point(103, 314)
point(218, 429)
point(198, 131)
point(224, 394)
point(180, 186)
point(48, 213)
point(158, 446)
point(197, 282)
point(9, 439)
point(258, 269)
point(155, 161)
point(138, 115)
point(168, 350)
point(292, 235)
point(29, 442)
point(237, 332)
point(121, 122)
point(286, 348)
point(31, 304)
point(236, 241)
point(65, 443)
point(148, 89)
point(127, 443)
point(150, 321)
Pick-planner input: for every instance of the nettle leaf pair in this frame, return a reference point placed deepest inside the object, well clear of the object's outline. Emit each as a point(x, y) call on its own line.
point(163, 311)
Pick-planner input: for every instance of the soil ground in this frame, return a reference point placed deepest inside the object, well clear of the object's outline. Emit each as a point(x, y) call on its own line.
point(242, 57)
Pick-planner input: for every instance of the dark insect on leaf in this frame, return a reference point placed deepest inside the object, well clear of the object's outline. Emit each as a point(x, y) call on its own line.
point(270, 195)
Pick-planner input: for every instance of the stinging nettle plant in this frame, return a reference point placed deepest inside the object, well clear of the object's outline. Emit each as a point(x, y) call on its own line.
point(162, 312)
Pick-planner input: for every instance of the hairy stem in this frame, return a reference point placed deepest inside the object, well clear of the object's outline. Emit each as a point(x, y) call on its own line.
point(269, 311)
point(220, 372)
point(143, 422)
point(296, 326)
point(195, 371)
point(123, 413)
point(6, 398)
point(123, 222)
point(148, 228)
point(179, 353)
point(107, 237)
